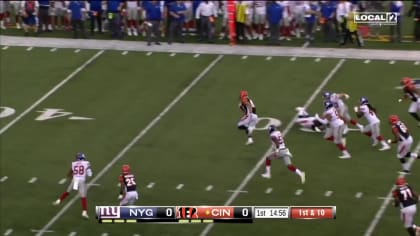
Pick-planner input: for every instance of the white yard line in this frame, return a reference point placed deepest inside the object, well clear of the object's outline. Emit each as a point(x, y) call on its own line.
point(257, 166)
point(134, 141)
point(49, 93)
point(62, 181)
point(4, 178)
point(8, 232)
point(387, 201)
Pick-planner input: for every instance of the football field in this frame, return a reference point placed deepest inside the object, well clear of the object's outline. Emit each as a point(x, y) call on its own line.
point(172, 117)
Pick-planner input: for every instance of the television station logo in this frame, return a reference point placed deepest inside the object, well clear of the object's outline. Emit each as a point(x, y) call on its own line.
point(376, 18)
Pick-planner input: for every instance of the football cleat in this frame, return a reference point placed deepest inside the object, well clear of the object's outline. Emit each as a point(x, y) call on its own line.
point(345, 156)
point(267, 176)
point(303, 177)
point(404, 172)
point(360, 127)
point(249, 142)
point(85, 214)
point(57, 202)
point(384, 148)
point(375, 143)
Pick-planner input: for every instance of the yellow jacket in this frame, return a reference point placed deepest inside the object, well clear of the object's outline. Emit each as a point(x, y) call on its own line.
point(241, 13)
point(351, 25)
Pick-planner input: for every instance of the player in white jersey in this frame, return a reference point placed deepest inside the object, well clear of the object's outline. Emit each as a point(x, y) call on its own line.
point(308, 122)
point(80, 170)
point(372, 129)
point(259, 18)
point(343, 111)
point(335, 128)
point(250, 118)
point(280, 151)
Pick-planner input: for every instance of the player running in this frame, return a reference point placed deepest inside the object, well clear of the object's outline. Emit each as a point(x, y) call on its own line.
point(404, 140)
point(410, 92)
point(80, 169)
point(250, 118)
point(335, 128)
point(406, 199)
point(372, 129)
point(280, 151)
point(128, 193)
point(308, 122)
point(342, 108)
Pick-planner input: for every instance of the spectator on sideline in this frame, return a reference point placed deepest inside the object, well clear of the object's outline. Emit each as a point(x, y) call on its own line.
point(44, 15)
point(3, 15)
point(114, 8)
point(224, 31)
point(77, 9)
point(177, 17)
point(395, 30)
point(29, 12)
point(328, 10)
point(95, 13)
point(416, 10)
point(241, 8)
point(132, 17)
point(274, 17)
point(342, 13)
point(259, 18)
point(153, 21)
point(14, 9)
point(207, 14)
point(311, 12)
point(352, 29)
point(286, 22)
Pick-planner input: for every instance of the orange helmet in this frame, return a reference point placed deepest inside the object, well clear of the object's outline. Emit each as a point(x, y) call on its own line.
point(243, 93)
point(126, 169)
point(401, 181)
point(393, 119)
point(407, 81)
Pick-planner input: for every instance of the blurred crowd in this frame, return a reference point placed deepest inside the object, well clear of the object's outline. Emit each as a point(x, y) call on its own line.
point(171, 21)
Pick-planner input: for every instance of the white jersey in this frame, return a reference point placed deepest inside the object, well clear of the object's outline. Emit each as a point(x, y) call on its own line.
point(277, 139)
point(260, 7)
point(132, 4)
point(369, 114)
point(335, 98)
point(335, 119)
point(81, 169)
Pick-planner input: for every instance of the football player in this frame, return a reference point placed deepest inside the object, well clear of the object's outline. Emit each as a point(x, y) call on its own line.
point(406, 199)
point(343, 111)
point(280, 151)
point(80, 169)
point(404, 140)
point(372, 129)
point(335, 128)
point(410, 92)
point(128, 193)
point(250, 118)
point(308, 122)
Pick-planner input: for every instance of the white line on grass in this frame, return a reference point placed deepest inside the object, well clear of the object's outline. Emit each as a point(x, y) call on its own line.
point(387, 200)
point(49, 93)
point(367, 61)
point(268, 58)
point(5, 47)
point(196, 55)
point(149, 53)
point(135, 140)
point(244, 57)
point(392, 62)
point(237, 191)
point(257, 166)
point(8, 232)
point(32, 180)
point(317, 59)
point(29, 49)
point(73, 233)
point(77, 51)
point(104, 234)
point(328, 193)
point(4, 178)
point(417, 63)
point(53, 49)
point(293, 59)
point(173, 54)
point(47, 231)
point(151, 185)
point(180, 186)
point(299, 192)
point(124, 53)
point(62, 181)
point(268, 190)
point(209, 188)
point(358, 195)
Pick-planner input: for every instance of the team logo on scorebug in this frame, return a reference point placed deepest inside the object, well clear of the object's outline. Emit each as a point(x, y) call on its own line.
point(108, 212)
point(187, 212)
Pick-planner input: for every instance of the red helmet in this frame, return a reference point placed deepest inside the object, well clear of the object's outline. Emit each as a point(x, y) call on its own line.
point(401, 181)
point(243, 93)
point(393, 119)
point(126, 169)
point(407, 81)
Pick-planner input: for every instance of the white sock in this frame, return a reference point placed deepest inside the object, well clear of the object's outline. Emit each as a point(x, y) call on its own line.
point(405, 166)
point(299, 172)
point(414, 155)
point(268, 170)
point(384, 143)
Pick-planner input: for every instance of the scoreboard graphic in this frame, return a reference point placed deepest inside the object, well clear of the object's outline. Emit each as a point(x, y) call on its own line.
point(209, 214)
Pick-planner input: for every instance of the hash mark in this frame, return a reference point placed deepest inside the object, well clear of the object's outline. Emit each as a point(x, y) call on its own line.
point(392, 62)
point(367, 61)
point(53, 49)
point(124, 53)
point(293, 59)
point(29, 49)
point(150, 185)
point(268, 190)
point(417, 63)
point(72, 233)
point(209, 188)
point(8, 232)
point(196, 55)
point(317, 59)
point(244, 57)
point(173, 54)
point(179, 186)
point(328, 193)
point(104, 234)
point(149, 53)
point(4, 178)
point(32, 180)
point(5, 47)
point(358, 195)
point(299, 192)
point(62, 181)
point(268, 58)
point(77, 51)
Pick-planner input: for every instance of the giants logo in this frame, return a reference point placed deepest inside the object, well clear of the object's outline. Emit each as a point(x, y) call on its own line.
point(187, 212)
point(108, 212)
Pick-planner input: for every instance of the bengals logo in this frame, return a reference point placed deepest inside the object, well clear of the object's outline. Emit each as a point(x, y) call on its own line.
point(187, 212)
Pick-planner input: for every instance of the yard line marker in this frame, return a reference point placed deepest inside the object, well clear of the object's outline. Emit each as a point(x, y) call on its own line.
point(150, 185)
point(268, 190)
point(328, 193)
point(417, 63)
point(62, 181)
point(173, 54)
point(299, 192)
point(258, 165)
point(268, 58)
point(4, 178)
point(237, 191)
point(29, 49)
point(94, 184)
point(293, 59)
point(358, 195)
point(305, 45)
point(392, 62)
point(387, 200)
point(32, 180)
point(134, 141)
point(196, 55)
point(367, 61)
point(244, 57)
point(124, 53)
point(104, 234)
point(72, 233)
point(77, 51)
point(136, 235)
point(53, 49)
point(53, 90)
point(180, 186)
point(5, 47)
point(8, 232)
point(47, 231)
point(209, 188)
point(149, 53)
point(317, 59)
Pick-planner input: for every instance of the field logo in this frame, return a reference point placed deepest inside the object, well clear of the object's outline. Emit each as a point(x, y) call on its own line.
point(271, 121)
point(52, 113)
point(376, 18)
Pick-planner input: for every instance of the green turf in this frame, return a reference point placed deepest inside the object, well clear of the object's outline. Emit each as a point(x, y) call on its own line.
point(196, 143)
